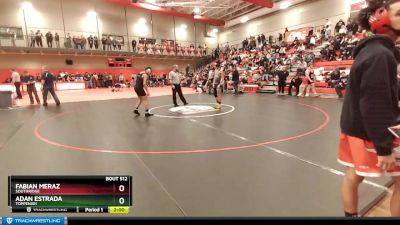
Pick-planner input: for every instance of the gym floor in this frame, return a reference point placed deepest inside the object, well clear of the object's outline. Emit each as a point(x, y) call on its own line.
point(261, 155)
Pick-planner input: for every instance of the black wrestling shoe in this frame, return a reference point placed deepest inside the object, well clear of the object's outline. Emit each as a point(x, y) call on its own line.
point(136, 112)
point(148, 115)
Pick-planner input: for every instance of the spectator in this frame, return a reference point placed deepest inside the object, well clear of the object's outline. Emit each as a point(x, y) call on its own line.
point(339, 26)
point(109, 42)
point(90, 41)
point(295, 82)
point(75, 41)
point(282, 77)
point(68, 42)
point(33, 39)
point(334, 78)
point(119, 44)
point(13, 37)
point(134, 46)
point(57, 39)
point(328, 28)
point(38, 37)
point(104, 41)
point(82, 42)
point(114, 43)
point(235, 79)
point(343, 30)
point(49, 39)
point(96, 42)
point(341, 85)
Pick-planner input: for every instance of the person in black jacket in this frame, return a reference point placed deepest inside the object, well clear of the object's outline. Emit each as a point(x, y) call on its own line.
point(48, 86)
point(371, 106)
point(236, 80)
point(334, 78)
point(104, 42)
point(282, 76)
point(296, 82)
point(96, 42)
point(90, 41)
point(134, 45)
point(30, 85)
point(49, 39)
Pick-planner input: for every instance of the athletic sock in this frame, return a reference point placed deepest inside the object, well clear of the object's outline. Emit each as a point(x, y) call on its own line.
point(351, 215)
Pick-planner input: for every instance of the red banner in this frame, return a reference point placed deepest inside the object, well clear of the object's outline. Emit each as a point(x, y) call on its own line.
point(357, 6)
point(301, 34)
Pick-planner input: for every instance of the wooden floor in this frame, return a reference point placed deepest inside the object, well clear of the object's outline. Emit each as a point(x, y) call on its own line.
point(382, 209)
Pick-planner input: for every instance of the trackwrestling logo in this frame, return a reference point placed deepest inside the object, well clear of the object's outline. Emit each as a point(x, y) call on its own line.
point(33, 220)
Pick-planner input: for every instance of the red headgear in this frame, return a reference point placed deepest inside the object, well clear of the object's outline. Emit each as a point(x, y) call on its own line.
point(380, 21)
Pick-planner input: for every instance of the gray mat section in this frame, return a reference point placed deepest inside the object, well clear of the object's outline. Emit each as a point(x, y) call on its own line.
point(248, 182)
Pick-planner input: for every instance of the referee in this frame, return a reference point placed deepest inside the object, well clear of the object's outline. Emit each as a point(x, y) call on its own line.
point(175, 78)
point(48, 86)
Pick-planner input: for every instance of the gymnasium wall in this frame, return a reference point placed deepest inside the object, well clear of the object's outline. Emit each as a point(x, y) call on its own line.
point(79, 18)
point(311, 13)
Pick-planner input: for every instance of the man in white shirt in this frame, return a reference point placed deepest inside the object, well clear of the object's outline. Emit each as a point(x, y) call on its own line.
point(175, 78)
point(16, 80)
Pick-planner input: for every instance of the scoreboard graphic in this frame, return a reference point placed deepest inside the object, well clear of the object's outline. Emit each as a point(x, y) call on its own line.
point(70, 194)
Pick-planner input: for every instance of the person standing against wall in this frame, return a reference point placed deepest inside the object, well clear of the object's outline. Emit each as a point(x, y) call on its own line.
point(48, 86)
point(13, 37)
point(90, 41)
point(68, 41)
point(30, 80)
point(49, 39)
point(119, 44)
point(96, 42)
point(33, 39)
point(175, 78)
point(134, 46)
point(104, 42)
point(114, 43)
point(16, 80)
point(109, 43)
point(39, 41)
point(57, 39)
